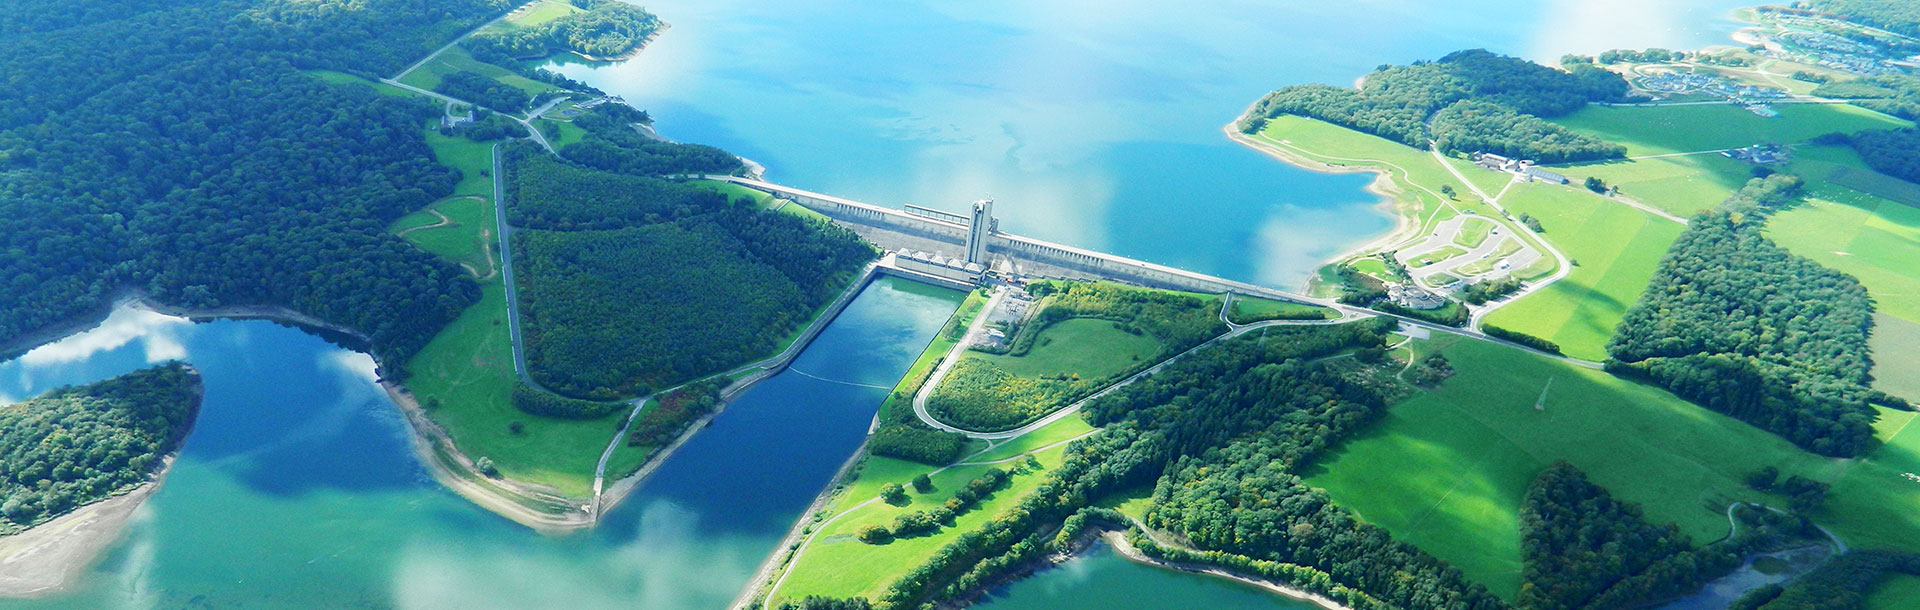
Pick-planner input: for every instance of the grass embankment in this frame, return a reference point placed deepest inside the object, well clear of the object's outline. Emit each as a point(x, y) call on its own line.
point(1435, 256)
point(1448, 468)
point(464, 377)
point(837, 564)
point(1616, 248)
point(1473, 232)
point(1247, 310)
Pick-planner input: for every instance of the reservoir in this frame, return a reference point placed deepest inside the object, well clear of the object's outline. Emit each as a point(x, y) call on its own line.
point(298, 488)
point(1092, 124)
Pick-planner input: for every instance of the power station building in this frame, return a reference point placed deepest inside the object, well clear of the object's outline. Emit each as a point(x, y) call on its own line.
point(981, 226)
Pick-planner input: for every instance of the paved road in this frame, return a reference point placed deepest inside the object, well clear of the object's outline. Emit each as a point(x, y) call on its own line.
point(1565, 266)
point(538, 138)
point(505, 231)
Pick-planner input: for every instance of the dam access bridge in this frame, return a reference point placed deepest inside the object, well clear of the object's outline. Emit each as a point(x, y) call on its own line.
point(977, 239)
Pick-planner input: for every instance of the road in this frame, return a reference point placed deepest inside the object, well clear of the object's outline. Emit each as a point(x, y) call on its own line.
point(436, 52)
point(538, 138)
point(506, 270)
point(1560, 271)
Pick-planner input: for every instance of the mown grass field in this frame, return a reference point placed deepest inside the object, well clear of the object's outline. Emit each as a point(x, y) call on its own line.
point(1447, 469)
point(342, 78)
point(542, 12)
point(1657, 130)
point(561, 133)
point(1616, 249)
point(760, 199)
point(1249, 309)
point(456, 59)
point(1474, 232)
point(837, 564)
point(1679, 185)
point(1089, 348)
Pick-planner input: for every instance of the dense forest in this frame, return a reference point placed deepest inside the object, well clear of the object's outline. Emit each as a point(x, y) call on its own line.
point(75, 446)
point(486, 92)
point(1843, 583)
point(612, 144)
point(177, 149)
point(632, 284)
point(1584, 549)
point(603, 28)
point(1475, 100)
point(1220, 434)
point(1900, 16)
point(1895, 94)
point(1894, 152)
point(976, 395)
point(1741, 326)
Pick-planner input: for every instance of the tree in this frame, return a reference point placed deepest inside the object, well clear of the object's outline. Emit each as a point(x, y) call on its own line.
point(486, 467)
point(894, 494)
point(922, 483)
point(1447, 189)
point(1595, 184)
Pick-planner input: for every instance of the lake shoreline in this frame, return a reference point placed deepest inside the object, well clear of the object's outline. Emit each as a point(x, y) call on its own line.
point(1383, 186)
point(46, 558)
point(1118, 540)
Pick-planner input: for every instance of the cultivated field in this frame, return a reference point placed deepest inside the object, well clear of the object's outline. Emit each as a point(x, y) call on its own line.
point(1657, 130)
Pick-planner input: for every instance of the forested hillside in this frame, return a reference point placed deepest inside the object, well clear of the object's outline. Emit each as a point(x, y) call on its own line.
point(1741, 326)
point(178, 149)
point(1839, 584)
point(1895, 94)
point(75, 446)
point(1475, 100)
point(633, 283)
point(612, 144)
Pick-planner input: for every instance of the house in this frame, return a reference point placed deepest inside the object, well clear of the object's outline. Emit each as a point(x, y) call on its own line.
point(1535, 173)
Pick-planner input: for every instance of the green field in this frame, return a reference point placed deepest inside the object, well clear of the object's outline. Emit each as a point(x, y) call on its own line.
point(1616, 248)
point(342, 78)
point(760, 199)
point(1660, 130)
point(542, 12)
point(1679, 185)
point(561, 133)
point(836, 564)
point(1872, 239)
point(1252, 309)
point(1896, 347)
point(1900, 591)
point(1474, 232)
point(456, 59)
point(1447, 469)
point(1415, 172)
point(1089, 348)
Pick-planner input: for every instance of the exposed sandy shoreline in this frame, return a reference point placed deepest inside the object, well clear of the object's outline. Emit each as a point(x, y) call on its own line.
point(1119, 541)
point(1406, 224)
point(45, 558)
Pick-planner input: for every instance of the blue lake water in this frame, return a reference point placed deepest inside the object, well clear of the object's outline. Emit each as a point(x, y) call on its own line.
point(298, 489)
point(1096, 124)
point(1092, 123)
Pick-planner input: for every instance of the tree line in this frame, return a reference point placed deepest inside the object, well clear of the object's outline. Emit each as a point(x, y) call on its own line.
point(464, 85)
point(1584, 549)
point(1892, 15)
point(1894, 152)
point(1737, 324)
point(74, 446)
point(1895, 94)
point(1467, 101)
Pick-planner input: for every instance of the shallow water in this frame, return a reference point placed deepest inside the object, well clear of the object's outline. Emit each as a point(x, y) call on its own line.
point(1093, 124)
point(1100, 579)
point(298, 489)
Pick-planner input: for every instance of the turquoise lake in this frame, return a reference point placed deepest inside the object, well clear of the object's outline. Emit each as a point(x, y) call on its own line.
point(1094, 124)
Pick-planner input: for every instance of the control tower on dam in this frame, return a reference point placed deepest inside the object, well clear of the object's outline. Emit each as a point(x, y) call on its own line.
point(976, 238)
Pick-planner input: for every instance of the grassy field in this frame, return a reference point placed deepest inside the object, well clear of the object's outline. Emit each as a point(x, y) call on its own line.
point(1896, 347)
point(1660, 130)
point(456, 59)
point(1679, 185)
point(342, 78)
point(1447, 469)
point(760, 199)
point(1616, 248)
point(837, 564)
point(1875, 240)
point(1250, 309)
point(542, 13)
point(1087, 347)
point(561, 133)
point(1508, 247)
point(1901, 591)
